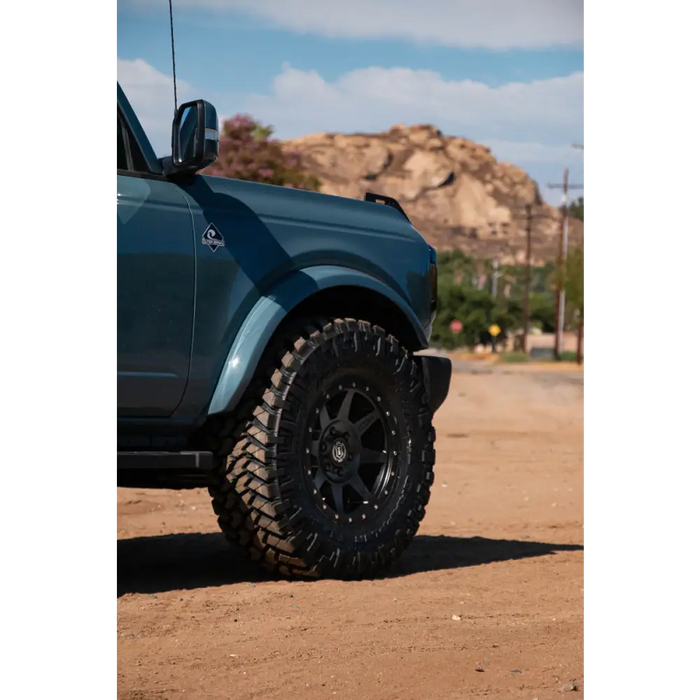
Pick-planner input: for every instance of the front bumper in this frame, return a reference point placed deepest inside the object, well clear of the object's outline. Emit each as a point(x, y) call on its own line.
point(437, 372)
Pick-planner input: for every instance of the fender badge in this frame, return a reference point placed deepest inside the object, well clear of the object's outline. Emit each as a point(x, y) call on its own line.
point(212, 238)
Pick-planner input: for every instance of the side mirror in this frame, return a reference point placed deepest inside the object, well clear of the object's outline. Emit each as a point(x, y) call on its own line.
point(195, 139)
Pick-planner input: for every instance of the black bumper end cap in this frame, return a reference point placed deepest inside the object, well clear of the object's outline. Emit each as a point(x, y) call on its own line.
point(437, 373)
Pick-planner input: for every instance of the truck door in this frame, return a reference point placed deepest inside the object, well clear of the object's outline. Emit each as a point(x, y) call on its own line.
point(155, 282)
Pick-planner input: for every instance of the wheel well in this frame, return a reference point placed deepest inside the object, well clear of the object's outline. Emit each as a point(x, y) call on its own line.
point(360, 303)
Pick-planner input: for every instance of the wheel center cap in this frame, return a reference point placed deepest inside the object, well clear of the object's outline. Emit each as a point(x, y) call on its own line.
point(339, 452)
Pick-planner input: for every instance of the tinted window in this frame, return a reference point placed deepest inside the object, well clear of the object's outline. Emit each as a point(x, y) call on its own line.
point(122, 162)
point(129, 155)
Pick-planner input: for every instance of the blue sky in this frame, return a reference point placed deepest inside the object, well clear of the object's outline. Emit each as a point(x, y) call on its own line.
point(506, 73)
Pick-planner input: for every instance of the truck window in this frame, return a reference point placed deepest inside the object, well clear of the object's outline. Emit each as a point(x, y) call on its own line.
point(129, 155)
point(122, 163)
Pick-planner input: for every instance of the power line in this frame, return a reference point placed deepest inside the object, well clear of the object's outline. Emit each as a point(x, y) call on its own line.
point(565, 184)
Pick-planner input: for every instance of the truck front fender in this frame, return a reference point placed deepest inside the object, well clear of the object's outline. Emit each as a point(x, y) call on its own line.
point(270, 310)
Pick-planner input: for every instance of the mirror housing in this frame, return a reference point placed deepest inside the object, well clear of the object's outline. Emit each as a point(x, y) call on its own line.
point(195, 137)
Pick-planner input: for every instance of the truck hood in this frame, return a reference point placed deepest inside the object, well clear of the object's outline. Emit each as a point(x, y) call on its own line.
point(286, 204)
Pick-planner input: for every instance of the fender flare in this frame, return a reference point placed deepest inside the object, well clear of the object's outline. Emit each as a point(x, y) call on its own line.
point(270, 310)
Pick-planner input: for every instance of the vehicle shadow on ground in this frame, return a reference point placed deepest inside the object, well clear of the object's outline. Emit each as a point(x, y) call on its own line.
point(434, 553)
point(188, 561)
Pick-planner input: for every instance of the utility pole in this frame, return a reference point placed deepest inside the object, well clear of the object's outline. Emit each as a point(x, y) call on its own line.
point(579, 337)
point(579, 343)
point(563, 250)
point(529, 218)
point(494, 278)
point(526, 300)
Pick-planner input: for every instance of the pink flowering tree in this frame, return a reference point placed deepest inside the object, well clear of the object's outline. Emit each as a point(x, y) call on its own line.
point(247, 152)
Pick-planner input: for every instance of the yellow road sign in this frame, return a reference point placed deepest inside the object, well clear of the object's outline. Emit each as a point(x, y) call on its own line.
point(494, 330)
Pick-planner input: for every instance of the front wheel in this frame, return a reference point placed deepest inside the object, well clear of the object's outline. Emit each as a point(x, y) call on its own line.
point(326, 470)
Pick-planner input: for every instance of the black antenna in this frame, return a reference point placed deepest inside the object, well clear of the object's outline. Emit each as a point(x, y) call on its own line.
point(172, 47)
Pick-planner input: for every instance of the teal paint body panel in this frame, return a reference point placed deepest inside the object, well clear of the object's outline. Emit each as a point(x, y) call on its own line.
point(270, 233)
point(193, 318)
point(155, 295)
point(271, 310)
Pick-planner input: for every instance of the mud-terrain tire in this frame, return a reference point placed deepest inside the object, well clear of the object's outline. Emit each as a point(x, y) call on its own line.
point(313, 483)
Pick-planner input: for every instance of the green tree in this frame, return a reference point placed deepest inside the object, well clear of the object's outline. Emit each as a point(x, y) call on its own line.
point(456, 264)
point(573, 286)
point(573, 280)
point(576, 209)
point(543, 311)
point(247, 152)
point(459, 298)
point(570, 277)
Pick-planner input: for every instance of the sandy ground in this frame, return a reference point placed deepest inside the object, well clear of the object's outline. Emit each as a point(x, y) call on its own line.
point(486, 603)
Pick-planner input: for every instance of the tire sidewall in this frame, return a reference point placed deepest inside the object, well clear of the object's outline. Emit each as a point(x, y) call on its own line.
point(390, 371)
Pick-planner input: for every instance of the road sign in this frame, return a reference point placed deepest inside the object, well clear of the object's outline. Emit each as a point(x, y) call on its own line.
point(456, 326)
point(495, 330)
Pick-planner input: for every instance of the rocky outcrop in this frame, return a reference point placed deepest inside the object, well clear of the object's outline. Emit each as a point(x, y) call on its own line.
point(454, 190)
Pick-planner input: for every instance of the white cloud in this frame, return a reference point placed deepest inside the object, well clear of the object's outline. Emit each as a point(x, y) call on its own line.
point(492, 24)
point(372, 99)
point(531, 125)
point(150, 93)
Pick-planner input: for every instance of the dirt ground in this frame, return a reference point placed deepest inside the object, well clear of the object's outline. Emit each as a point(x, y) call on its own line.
point(486, 603)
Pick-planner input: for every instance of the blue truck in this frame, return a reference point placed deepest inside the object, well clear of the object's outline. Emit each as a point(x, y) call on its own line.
point(267, 342)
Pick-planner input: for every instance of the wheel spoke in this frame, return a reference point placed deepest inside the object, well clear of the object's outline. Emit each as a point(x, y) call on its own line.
point(362, 491)
point(324, 417)
point(338, 498)
point(368, 456)
point(364, 424)
point(350, 454)
point(344, 412)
